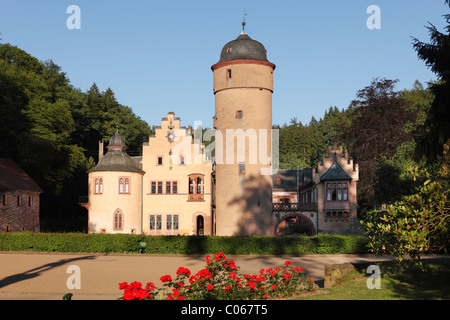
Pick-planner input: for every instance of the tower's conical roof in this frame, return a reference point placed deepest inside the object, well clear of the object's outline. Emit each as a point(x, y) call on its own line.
point(116, 159)
point(243, 48)
point(116, 141)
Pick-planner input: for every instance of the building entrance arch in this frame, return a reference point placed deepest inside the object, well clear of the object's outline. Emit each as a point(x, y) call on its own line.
point(294, 223)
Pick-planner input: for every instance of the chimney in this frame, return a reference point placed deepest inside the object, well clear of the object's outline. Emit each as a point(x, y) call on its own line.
point(100, 150)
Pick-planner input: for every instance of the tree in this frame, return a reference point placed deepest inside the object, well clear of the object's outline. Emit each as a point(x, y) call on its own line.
point(393, 179)
point(436, 55)
point(419, 223)
point(378, 118)
point(302, 146)
point(52, 131)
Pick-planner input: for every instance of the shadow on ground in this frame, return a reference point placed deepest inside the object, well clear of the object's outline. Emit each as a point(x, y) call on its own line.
point(35, 272)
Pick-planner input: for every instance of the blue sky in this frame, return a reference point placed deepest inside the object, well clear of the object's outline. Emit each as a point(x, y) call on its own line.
point(156, 55)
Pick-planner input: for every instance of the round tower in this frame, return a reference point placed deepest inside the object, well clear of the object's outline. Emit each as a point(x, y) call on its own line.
point(115, 191)
point(243, 87)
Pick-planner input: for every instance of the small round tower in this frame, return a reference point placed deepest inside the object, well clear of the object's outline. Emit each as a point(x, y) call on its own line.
point(115, 191)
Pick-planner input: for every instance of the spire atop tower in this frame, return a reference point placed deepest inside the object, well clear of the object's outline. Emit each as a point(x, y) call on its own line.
point(243, 22)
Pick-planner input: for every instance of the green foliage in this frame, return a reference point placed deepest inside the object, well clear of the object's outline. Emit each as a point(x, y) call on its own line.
point(126, 243)
point(436, 56)
point(393, 178)
point(416, 225)
point(52, 129)
point(302, 146)
point(379, 115)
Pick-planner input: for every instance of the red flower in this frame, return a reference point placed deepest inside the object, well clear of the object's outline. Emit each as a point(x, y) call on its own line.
point(287, 263)
point(123, 285)
point(128, 296)
point(136, 285)
point(142, 294)
point(298, 269)
point(201, 276)
point(261, 271)
point(166, 278)
point(182, 270)
point(274, 286)
point(209, 287)
point(150, 286)
point(227, 288)
point(219, 256)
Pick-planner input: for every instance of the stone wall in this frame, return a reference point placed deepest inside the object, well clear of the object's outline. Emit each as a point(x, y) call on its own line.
point(19, 211)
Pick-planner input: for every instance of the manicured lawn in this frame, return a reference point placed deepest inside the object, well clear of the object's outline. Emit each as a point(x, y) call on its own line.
point(411, 284)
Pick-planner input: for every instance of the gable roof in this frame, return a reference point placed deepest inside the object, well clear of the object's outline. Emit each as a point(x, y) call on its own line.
point(335, 172)
point(13, 177)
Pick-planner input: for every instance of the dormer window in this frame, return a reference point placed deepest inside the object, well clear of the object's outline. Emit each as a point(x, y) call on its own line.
point(228, 50)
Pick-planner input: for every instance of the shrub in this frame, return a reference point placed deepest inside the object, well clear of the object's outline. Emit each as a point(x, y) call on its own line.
point(237, 245)
point(220, 280)
point(416, 225)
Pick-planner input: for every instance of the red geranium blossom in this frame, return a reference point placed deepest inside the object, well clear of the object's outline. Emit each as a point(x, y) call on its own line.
point(166, 278)
point(150, 286)
point(182, 270)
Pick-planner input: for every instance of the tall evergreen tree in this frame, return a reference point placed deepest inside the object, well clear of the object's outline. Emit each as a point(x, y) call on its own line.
point(436, 55)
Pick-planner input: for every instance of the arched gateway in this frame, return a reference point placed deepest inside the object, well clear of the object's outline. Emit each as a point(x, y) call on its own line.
point(288, 223)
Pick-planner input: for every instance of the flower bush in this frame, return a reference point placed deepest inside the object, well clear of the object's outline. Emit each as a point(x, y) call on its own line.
point(221, 280)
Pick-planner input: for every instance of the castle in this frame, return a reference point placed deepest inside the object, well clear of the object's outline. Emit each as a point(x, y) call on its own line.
point(181, 187)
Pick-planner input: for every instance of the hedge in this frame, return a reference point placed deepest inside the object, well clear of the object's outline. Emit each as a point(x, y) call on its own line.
point(126, 243)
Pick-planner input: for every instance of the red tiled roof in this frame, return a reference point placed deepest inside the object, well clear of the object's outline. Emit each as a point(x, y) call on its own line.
point(12, 177)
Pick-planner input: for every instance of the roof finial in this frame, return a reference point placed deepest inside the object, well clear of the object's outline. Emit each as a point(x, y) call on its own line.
point(243, 22)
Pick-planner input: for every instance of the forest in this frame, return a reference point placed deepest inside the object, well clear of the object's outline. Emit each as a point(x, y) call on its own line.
point(51, 129)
